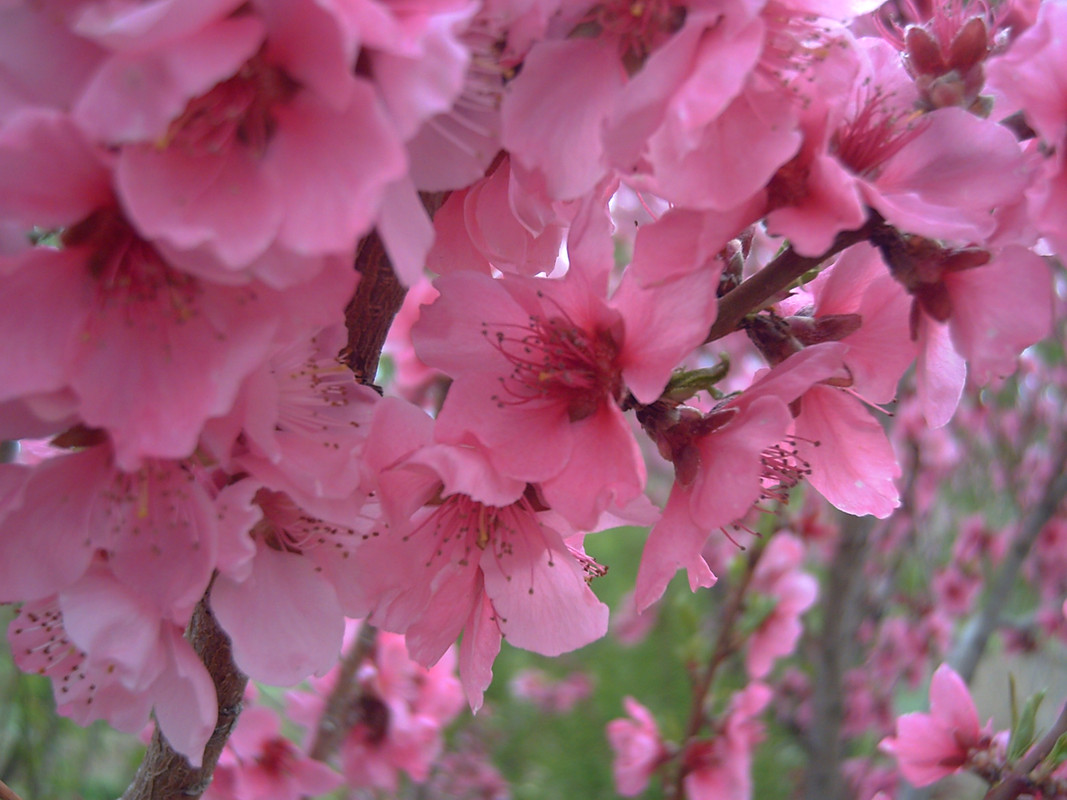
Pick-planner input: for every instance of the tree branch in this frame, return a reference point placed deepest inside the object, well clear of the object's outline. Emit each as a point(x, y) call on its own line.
point(724, 646)
point(6, 792)
point(166, 774)
point(755, 291)
point(337, 718)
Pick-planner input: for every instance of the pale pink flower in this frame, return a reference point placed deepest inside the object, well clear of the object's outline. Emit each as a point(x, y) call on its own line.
point(299, 421)
point(721, 768)
point(259, 763)
point(550, 695)
point(778, 576)
point(170, 679)
point(638, 748)
point(932, 746)
point(147, 351)
point(477, 229)
point(157, 525)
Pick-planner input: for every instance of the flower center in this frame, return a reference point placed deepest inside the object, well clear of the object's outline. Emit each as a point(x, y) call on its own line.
point(873, 136)
point(128, 270)
point(639, 26)
point(555, 361)
point(289, 529)
point(234, 112)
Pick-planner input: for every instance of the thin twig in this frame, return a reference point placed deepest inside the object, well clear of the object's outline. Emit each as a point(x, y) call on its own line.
point(7, 793)
point(1018, 781)
point(972, 642)
point(757, 290)
point(724, 647)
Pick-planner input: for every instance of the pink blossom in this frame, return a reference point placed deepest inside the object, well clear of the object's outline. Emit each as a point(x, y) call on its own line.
point(484, 560)
point(89, 687)
point(1030, 76)
point(551, 696)
point(477, 228)
point(299, 421)
point(541, 368)
point(400, 712)
point(243, 106)
point(638, 748)
point(722, 461)
point(969, 305)
point(931, 746)
point(864, 149)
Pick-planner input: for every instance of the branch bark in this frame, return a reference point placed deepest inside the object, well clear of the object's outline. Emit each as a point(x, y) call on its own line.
point(338, 716)
point(165, 774)
point(757, 290)
point(1017, 781)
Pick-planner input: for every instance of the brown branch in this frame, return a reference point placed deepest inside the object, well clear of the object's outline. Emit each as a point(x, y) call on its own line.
point(6, 792)
point(338, 717)
point(757, 290)
point(377, 299)
point(166, 774)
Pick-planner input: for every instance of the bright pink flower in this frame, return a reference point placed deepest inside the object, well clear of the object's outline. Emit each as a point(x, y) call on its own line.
point(477, 559)
point(264, 108)
point(865, 147)
point(931, 746)
point(638, 748)
point(541, 368)
point(778, 575)
point(724, 461)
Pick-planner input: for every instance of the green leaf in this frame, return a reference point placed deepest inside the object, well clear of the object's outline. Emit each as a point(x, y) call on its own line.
point(1058, 754)
point(1023, 728)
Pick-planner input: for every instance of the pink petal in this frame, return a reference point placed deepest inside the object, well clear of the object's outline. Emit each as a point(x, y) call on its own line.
point(538, 591)
point(284, 619)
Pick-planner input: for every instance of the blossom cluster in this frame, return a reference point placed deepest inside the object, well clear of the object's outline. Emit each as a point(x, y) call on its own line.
point(184, 188)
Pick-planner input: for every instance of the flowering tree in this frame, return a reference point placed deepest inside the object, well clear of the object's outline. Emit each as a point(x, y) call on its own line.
point(689, 245)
